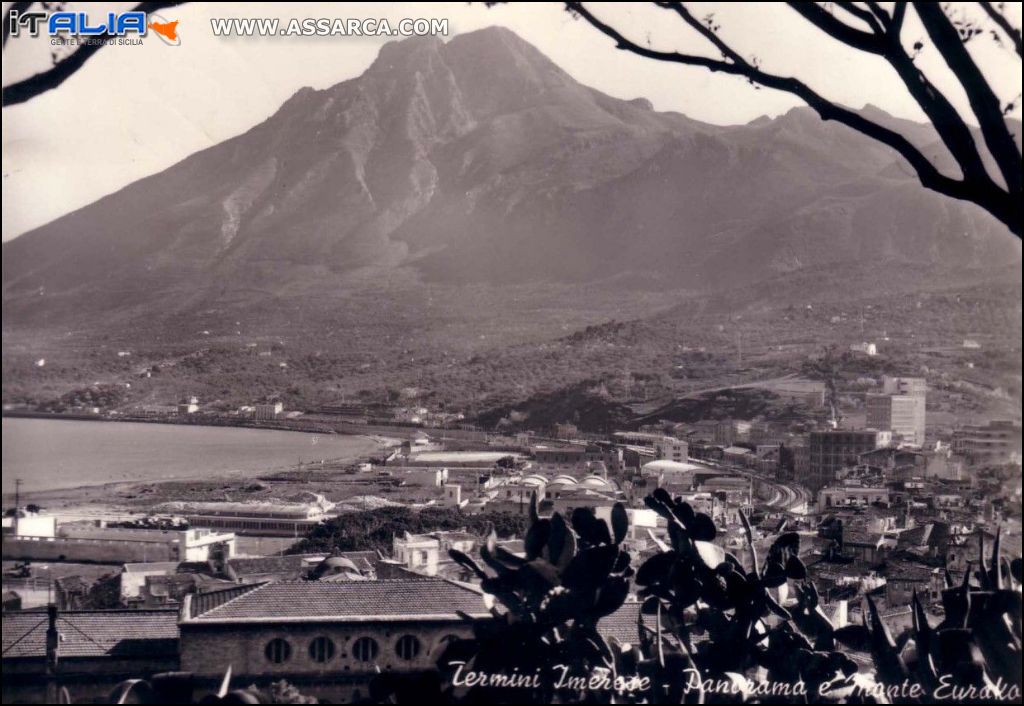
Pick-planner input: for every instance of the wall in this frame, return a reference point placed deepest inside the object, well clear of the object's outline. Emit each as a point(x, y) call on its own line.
point(88, 550)
point(208, 650)
point(88, 680)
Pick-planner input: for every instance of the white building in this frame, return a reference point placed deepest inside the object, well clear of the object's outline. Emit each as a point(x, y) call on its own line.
point(31, 524)
point(868, 349)
point(671, 449)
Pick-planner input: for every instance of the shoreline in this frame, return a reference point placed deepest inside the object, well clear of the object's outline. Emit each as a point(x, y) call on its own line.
point(124, 498)
point(205, 421)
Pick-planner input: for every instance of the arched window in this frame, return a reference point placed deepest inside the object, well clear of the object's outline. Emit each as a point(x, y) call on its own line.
point(278, 651)
point(365, 649)
point(321, 649)
point(407, 647)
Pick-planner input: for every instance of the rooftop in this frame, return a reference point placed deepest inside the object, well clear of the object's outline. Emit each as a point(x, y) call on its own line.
point(909, 572)
point(622, 624)
point(290, 601)
point(289, 563)
point(151, 566)
point(93, 633)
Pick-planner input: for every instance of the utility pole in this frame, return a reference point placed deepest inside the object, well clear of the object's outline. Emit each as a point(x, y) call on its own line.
point(17, 495)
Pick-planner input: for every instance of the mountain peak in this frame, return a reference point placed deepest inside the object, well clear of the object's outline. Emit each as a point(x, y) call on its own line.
point(399, 52)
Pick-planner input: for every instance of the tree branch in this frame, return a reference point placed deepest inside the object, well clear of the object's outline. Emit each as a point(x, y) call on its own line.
point(976, 186)
point(827, 22)
point(983, 100)
point(899, 12)
point(868, 17)
point(64, 69)
point(1004, 24)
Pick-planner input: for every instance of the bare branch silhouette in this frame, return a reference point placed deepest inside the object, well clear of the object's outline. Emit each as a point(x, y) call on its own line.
point(880, 35)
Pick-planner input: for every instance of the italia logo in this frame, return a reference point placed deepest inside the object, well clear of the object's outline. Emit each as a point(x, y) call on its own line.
point(80, 24)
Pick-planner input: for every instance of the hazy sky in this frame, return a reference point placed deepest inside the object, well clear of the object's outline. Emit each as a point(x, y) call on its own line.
point(135, 110)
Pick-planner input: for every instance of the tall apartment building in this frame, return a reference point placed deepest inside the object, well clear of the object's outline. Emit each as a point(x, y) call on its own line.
point(900, 408)
point(835, 449)
point(903, 415)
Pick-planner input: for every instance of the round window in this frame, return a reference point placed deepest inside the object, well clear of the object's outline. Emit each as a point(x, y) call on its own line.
point(407, 647)
point(278, 651)
point(321, 649)
point(365, 649)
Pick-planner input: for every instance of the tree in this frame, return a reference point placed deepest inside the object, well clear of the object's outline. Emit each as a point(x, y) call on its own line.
point(873, 29)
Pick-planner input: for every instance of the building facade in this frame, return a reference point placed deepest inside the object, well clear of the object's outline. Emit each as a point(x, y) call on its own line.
point(328, 639)
point(997, 442)
point(835, 449)
point(903, 415)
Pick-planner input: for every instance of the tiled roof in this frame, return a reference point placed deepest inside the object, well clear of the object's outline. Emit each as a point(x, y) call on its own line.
point(835, 571)
point(915, 537)
point(151, 566)
point(622, 625)
point(291, 563)
point(94, 633)
point(909, 572)
point(204, 602)
point(363, 600)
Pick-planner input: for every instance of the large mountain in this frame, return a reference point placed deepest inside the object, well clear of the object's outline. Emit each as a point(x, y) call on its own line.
point(480, 160)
